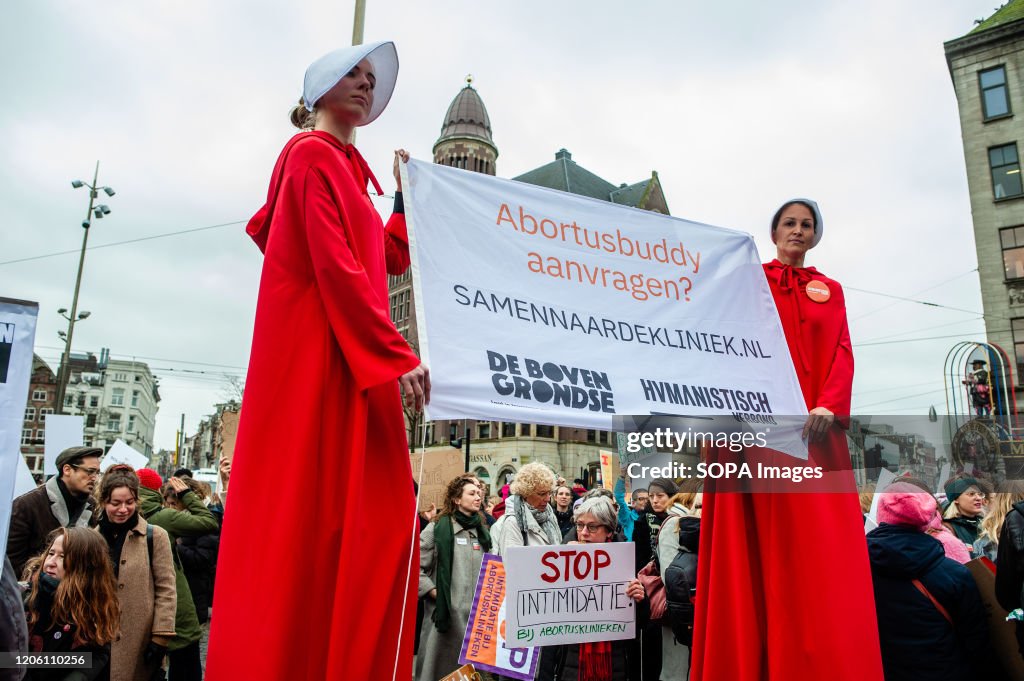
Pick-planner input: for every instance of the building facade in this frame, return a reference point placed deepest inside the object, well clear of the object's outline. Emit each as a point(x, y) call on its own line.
point(42, 401)
point(987, 69)
point(118, 399)
point(498, 449)
point(214, 438)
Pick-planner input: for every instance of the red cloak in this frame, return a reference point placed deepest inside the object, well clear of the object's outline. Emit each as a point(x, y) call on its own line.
point(784, 583)
point(313, 577)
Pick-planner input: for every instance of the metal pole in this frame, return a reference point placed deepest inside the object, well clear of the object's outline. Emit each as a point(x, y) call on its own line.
point(185, 464)
point(358, 21)
point(65, 364)
point(467, 446)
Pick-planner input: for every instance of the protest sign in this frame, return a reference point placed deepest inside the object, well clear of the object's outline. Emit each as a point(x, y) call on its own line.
point(121, 452)
point(885, 478)
point(529, 302)
point(439, 467)
point(463, 673)
point(610, 469)
point(484, 644)
point(575, 593)
point(17, 337)
point(62, 431)
point(23, 481)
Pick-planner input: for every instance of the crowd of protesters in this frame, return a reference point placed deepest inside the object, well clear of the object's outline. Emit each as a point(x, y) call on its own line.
point(118, 564)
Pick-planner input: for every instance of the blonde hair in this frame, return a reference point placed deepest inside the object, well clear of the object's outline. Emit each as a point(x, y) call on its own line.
point(867, 494)
point(1002, 502)
point(302, 118)
point(530, 478)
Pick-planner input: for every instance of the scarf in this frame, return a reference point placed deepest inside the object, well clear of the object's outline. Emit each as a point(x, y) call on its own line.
point(115, 534)
point(74, 502)
point(444, 538)
point(545, 518)
point(595, 661)
point(793, 282)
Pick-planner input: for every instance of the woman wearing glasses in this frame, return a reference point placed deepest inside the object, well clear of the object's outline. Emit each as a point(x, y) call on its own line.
point(966, 508)
point(595, 523)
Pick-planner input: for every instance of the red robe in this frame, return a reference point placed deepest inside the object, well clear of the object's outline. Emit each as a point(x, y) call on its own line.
point(315, 579)
point(784, 583)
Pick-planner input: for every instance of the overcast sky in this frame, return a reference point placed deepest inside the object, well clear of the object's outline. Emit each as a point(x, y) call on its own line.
point(738, 106)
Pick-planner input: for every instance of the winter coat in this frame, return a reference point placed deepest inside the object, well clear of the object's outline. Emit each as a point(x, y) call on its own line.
point(966, 530)
point(34, 516)
point(1010, 575)
point(917, 641)
point(439, 652)
point(196, 521)
point(13, 633)
point(147, 599)
point(198, 556)
point(47, 637)
point(506, 532)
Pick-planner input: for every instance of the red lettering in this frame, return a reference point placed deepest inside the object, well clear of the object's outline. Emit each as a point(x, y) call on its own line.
point(582, 558)
point(601, 559)
point(549, 556)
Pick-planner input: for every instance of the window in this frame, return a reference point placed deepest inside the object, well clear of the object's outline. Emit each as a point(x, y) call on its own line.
point(40, 436)
point(995, 100)
point(1005, 171)
point(1012, 241)
point(483, 430)
point(69, 400)
point(525, 430)
point(117, 398)
point(131, 424)
point(90, 421)
point(43, 412)
point(1017, 326)
point(591, 436)
point(135, 398)
point(121, 377)
point(508, 429)
point(400, 306)
point(94, 401)
point(545, 431)
point(114, 422)
point(38, 395)
point(26, 436)
point(30, 413)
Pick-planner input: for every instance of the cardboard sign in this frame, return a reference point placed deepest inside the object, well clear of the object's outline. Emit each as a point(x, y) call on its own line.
point(121, 452)
point(17, 336)
point(484, 644)
point(610, 469)
point(574, 593)
point(62, 431)
point(464, 673)
point(433, 470)
point(1001, 633)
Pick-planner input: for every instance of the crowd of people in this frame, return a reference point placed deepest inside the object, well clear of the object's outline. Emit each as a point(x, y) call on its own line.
point(118, 564)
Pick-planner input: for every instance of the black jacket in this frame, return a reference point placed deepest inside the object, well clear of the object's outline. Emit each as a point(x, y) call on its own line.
point(917, 641)
point(199, 561)
point(966, 530)
point(1010, 562)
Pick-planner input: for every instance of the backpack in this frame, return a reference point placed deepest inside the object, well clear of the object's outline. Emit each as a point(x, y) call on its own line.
point(680, 579)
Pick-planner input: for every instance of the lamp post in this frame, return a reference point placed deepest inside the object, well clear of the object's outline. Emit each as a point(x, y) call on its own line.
point(97, 210)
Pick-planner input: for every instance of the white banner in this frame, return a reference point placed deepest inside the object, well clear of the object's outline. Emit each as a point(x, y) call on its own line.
point(569, 594)
point(122, 452)
point(62, 431)
point(17, 339)
point(535, 305)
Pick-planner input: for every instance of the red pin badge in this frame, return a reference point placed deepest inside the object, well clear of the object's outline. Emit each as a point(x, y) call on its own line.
point(818, 291)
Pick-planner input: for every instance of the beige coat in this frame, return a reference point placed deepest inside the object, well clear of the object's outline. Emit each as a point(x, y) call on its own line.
point(147, 600)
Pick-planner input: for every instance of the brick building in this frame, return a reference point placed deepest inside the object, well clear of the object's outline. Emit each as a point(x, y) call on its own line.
point(42, 401)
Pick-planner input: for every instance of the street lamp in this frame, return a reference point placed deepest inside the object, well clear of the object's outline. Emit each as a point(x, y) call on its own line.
point(98, 211)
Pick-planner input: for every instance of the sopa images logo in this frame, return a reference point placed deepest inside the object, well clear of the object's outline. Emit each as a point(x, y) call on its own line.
point(6, 346)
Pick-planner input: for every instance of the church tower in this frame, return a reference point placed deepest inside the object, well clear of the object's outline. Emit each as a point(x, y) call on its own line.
point(465, 140)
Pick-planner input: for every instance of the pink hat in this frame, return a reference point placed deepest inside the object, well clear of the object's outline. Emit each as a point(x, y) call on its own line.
point(905, 504)
point(150, 478)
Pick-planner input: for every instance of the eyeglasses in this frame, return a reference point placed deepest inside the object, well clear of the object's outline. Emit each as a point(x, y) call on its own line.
point(589, 527)
point(91, 472)
point(979, 495)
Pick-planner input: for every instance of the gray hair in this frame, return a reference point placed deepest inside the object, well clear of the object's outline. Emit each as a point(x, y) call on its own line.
point(601, 508)
point(532, 477)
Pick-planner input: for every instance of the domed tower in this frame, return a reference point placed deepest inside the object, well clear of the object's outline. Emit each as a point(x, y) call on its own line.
point(465, 140)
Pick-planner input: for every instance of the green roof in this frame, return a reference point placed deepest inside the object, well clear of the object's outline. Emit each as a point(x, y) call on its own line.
point(1008, 13)
point(566, 175)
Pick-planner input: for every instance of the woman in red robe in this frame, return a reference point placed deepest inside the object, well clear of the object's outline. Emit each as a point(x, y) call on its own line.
point(784, 584)
point(313, 582)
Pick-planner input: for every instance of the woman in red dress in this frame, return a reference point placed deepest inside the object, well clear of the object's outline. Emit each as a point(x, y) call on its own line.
point(784, 584)
point(313, 583)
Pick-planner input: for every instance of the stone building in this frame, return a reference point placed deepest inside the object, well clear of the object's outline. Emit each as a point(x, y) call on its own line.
point(498, 449)
point(42, 401)
point(118, 398)
point(214, 438)
point(987, 68)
